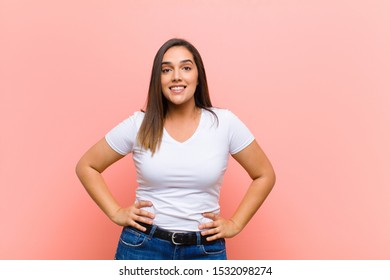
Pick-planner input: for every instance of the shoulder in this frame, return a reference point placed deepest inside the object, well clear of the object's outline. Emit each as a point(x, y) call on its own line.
point(224, 115)
point(138, 115)
point(229, 120)
point(135, 118)
point(219, 112)
point(222, 119)
point(122, 137)
point(131, 123)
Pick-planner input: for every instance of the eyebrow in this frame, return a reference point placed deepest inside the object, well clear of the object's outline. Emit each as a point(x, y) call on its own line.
point(181, 62)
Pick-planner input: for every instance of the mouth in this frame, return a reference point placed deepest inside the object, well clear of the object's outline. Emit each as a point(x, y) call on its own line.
point(177, 89)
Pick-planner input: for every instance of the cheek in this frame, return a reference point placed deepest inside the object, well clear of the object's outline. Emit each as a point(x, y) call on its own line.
point(164, 80)
point(166, 77)
point(194, 79)
point(165, 92)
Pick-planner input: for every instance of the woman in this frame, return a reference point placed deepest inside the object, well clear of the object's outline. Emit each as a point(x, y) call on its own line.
point(180, 146)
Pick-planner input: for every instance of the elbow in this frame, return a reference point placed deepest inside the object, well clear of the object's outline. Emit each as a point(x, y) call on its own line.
point(271, 177)
point(268, 177)
point(79, 168)
point(82, 168)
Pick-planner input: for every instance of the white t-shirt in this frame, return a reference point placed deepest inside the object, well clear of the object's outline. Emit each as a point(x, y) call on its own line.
point(183, 179)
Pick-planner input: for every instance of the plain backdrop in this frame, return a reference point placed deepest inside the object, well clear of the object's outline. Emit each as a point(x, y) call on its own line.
point(309, 78)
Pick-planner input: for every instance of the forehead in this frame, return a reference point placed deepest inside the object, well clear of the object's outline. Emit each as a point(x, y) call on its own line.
point(177, 54)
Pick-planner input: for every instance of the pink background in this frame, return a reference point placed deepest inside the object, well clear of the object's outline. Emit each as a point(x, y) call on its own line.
point(309, 78)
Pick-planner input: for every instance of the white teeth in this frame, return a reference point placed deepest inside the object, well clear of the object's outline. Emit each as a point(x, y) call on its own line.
point(177, 88)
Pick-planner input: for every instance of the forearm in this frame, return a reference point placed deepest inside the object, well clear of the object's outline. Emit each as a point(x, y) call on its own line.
point(97, 188)
point(252, 200)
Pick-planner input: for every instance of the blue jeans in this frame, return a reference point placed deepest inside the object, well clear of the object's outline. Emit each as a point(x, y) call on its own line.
point(136, 245)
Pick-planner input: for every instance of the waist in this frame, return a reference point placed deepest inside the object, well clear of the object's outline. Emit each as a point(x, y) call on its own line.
point(169, 213)
point(176, 238)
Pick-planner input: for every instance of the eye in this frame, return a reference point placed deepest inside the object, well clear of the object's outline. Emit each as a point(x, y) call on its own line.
point(165, 70)
point(187, 68)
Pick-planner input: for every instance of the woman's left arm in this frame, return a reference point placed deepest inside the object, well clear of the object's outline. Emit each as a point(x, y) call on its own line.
point(259, 168)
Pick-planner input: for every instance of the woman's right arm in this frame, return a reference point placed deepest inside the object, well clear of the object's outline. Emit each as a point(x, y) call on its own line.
point(89, 169)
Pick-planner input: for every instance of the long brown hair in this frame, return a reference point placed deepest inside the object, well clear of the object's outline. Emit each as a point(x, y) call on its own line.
point(151, 130)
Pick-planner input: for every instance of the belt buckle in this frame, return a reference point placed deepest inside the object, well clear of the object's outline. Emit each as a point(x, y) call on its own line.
point(173, 239)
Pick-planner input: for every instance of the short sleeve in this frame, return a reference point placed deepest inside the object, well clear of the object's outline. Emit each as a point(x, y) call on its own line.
point(239, 134)
point(123, 137)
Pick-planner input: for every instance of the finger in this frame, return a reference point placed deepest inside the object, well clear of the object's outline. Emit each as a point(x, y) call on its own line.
point(143, 220)
point(143, 203)
point(214, 237)
point(142, 216)
point(208, 225)
point(136, 225)
point(211, 216)
point(212, 231)
point(146, 214)
point(136, 221)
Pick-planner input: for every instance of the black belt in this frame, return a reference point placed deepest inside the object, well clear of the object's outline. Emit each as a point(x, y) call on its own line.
point(177, 238)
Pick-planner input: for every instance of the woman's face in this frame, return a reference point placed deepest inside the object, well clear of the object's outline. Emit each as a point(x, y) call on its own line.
point(179, 76)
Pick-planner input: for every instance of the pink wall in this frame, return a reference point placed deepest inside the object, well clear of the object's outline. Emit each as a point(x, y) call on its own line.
point(310, 79)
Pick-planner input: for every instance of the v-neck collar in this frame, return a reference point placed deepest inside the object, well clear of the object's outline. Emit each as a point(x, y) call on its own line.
point(166, 133)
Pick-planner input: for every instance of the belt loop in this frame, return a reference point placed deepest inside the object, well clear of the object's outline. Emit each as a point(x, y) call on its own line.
point(152, 230)
point(198, 238)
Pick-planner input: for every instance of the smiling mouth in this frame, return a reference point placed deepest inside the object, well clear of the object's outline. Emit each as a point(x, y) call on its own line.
point(177, 89)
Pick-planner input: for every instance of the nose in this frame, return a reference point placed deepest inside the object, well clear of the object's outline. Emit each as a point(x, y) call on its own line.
point(176, 76)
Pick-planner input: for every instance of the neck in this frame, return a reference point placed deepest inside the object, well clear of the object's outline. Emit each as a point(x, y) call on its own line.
point(184, 112)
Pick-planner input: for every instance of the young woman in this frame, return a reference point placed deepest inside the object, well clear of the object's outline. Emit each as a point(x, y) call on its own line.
point(180, 146)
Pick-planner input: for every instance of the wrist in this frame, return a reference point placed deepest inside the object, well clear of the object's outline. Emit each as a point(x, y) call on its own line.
point(113, 213)
point(239, 227)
